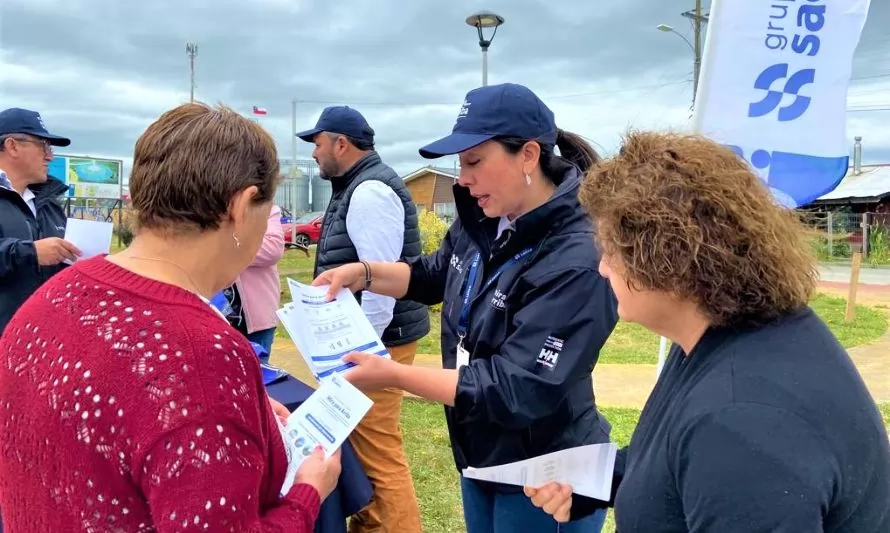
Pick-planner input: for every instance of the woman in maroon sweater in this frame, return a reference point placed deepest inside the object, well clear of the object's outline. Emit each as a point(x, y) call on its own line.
point(128, 403)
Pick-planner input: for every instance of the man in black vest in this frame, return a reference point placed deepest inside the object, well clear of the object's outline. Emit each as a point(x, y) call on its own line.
point(372, 217)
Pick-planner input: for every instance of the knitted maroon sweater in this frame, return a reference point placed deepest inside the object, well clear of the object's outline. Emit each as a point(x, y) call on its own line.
point(129, 405)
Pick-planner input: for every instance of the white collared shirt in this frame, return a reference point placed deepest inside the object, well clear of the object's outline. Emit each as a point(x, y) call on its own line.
point(375, 223)
point(27, 195)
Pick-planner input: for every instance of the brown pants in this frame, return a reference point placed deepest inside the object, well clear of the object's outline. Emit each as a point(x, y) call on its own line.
point(378, 443)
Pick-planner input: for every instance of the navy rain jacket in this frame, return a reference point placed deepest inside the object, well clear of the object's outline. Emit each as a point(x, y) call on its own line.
point(534, 334)
point(20, 274)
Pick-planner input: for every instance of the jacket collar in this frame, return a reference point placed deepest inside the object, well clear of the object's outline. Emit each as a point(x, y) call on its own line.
point(51, 188)
point(365, 162)
point(562, 209)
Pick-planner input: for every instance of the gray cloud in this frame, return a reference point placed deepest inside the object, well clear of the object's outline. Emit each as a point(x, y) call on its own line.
point(101, 70)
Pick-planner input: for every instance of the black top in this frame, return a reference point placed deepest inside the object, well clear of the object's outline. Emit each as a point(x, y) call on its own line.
point(758, 431)
point(20, 274)
point(534, 334)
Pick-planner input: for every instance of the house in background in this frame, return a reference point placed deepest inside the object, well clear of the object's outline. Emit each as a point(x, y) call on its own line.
point(431, 189)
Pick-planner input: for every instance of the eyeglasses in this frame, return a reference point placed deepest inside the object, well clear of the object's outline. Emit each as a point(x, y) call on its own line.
point(43, 143)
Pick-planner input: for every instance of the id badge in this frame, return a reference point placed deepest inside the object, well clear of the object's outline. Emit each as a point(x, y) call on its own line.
point(463, 356)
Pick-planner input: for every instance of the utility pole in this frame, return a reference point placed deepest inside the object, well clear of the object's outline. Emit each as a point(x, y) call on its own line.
point(698, 21)
point(191, 49)
point(293, 137)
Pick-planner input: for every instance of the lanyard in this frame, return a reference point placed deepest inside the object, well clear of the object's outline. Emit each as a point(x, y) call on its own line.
point(463, 322)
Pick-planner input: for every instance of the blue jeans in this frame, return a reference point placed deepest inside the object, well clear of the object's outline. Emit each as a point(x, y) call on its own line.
point(491, 512)
point(264, 338)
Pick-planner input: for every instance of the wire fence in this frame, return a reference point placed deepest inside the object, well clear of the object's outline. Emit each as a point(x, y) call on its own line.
point(835, 236)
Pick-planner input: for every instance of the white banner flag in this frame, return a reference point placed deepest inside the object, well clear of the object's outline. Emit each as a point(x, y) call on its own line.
point(774, 85)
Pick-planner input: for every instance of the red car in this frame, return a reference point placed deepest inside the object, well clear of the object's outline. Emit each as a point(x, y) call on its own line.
point(304, 231)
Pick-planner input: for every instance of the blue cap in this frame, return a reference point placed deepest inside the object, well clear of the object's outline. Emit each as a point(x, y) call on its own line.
point(18, 120)
point(343, 120)
point(505, 110)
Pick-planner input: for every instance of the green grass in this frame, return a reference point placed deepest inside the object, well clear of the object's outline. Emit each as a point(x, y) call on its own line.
point(885, 412)
point(436, 480)
point(631, 343)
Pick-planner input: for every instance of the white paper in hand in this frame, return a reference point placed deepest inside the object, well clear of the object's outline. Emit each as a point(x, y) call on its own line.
point(588, 469)
point(326, 331)
point(325, 419)
point(92, 237)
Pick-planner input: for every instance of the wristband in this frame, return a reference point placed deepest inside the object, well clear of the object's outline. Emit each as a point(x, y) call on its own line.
point(367, 274)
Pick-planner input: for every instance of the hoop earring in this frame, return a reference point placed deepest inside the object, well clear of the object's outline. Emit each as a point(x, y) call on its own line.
point(528, 179)
point(237, 241)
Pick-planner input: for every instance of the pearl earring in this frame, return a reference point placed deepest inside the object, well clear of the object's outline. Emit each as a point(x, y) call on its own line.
point(237, 241)
point(528, 179)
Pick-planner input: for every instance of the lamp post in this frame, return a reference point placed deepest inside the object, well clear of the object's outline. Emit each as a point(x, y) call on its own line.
point(698, 19)
point(480, 20)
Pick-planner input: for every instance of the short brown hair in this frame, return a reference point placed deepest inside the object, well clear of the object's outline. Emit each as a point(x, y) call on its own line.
point(687, 216)
point(191, 162)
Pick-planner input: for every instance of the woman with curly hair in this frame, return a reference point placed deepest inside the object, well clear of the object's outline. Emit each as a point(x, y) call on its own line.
point(759, 421)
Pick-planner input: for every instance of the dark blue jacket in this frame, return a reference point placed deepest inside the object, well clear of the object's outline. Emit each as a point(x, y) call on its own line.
point(20, 274)
point(534, 335)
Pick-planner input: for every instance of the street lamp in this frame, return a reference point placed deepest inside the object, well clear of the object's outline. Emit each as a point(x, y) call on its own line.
point(480, 20)
point(696, 51)
point(670, 29)
point(698, 19)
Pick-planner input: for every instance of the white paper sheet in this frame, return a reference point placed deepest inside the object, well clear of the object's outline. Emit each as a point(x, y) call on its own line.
point(324, 331)
point(326, 418)
point(588, 469)
point(91, 236)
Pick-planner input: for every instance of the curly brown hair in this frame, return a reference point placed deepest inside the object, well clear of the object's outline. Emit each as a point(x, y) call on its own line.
point(685, 215)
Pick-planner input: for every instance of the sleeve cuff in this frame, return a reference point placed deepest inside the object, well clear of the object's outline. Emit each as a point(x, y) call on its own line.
point(306, 497)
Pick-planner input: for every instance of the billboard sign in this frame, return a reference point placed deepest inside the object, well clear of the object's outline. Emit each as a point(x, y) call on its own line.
point(88, 177)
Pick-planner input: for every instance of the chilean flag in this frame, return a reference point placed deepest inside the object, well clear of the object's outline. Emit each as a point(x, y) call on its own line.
point(260, 111)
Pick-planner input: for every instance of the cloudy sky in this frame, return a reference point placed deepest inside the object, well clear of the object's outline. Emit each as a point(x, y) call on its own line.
point(101, 70)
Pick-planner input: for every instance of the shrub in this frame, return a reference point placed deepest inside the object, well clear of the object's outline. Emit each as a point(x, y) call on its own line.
point(124, 233)
point(432, 231)
point(879, 245)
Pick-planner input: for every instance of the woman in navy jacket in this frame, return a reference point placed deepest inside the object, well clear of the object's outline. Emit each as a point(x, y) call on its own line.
point(525, 312)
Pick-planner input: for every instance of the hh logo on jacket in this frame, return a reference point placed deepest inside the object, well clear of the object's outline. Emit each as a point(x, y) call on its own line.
point(549, 355)
point(456, 263)
point(497, 301)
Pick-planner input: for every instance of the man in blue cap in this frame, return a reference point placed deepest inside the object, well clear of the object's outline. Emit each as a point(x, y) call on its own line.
point(32, 221)
point(372, 217)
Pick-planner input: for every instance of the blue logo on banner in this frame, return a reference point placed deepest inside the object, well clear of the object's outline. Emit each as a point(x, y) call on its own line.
point(797, 179)
point(794, 179)
point(773, 98)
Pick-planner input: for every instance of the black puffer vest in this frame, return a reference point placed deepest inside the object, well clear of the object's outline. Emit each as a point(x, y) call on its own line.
point(410, 321)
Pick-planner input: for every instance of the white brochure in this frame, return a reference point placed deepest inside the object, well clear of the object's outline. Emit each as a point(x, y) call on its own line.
point(92, 237)
point(325, 331)
point(326, 418)
point(588, 469)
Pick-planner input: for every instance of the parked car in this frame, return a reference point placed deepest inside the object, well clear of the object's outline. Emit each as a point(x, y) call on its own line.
point(304, 231)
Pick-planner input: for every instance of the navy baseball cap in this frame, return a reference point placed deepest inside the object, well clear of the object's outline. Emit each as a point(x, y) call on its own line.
point(343, 120)
point(18, 120)
point(505, 110)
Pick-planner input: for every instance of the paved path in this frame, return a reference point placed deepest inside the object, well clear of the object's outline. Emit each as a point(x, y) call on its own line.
point(630, 385)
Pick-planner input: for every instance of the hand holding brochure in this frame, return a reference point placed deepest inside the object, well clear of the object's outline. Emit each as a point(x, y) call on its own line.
point(326, 418)
point(588, 469)
point(92, 237)
point(325, 331)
